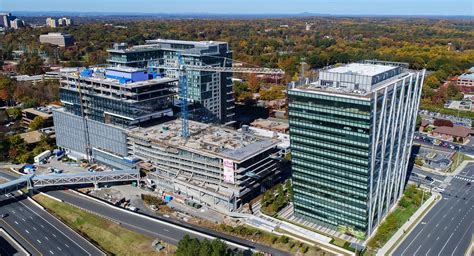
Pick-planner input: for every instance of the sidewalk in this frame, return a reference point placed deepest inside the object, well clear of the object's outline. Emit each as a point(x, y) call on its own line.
point(273, 225)
point(405, 230)
point(454, 173)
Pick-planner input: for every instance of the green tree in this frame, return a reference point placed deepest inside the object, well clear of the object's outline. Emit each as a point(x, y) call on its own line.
point(7, 87)
point(4, 146)
point(219, 248)
point(17, 149)
point(188, 246)
point(14, 113)
point(275, 92)
point(36, 123)
point(31, 64)
point(432, 82)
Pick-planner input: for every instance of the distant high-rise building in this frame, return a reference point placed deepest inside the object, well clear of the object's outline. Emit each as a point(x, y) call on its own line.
point(59, 39)
point(17, 23)
point(351, 135)
point(308, 26)
point(51, 22)
point(210, 92)
point(61, 22)
point(64, 22)
point(5, 19)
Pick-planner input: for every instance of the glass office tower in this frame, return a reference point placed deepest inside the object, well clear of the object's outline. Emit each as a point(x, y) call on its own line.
point(351, 135)
point(210, 93)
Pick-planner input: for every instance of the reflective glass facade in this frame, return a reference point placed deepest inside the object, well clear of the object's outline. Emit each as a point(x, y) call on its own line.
point(350, 150)
point(210, 93)
point(115, 103)
point(330, 157)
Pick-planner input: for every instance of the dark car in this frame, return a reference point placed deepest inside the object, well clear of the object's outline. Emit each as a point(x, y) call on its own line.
point(3, 215)
point(468, 184)
point(428, 178)
point(414, 174)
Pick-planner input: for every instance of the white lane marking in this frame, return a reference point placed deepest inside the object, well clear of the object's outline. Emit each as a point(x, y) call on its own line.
point(53, 235)
point(38, 241)
point(417, 250)
point(16, 222)
point(166, 230)
point(13, 211)
point(70, 239)
point(445, 244)
point(42, 225)
point(66, 245)
point(428, 252)
point(46, 237)
point(23, 220)
point(34, 228)
point(51, 252)
point(465, 232)
point(26, 230)
point(59, 248)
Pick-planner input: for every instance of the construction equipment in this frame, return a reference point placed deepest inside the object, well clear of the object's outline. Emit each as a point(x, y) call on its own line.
point(181, 67)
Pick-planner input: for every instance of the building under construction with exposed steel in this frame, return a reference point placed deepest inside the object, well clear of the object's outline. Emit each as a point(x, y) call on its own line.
point(100, 104)
point(216, 166)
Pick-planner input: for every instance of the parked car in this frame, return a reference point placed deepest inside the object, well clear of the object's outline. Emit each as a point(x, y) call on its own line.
point(437, 189)
point(3, 215)
point(8, 195)
point(428, 178)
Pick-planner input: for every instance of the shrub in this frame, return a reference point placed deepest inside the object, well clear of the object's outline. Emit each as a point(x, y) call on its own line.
point(283, 239)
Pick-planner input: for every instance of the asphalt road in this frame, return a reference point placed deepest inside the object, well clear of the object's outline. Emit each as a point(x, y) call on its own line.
point(447, 228)
point(38, 231)
point(168, 233)
point(41, 232)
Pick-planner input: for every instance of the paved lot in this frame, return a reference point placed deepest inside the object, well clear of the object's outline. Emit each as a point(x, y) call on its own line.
point(447, 228)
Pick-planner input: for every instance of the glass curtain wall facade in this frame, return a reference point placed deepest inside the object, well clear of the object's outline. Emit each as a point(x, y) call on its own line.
point(350, 152)
point(210, 93)
point(330, 157)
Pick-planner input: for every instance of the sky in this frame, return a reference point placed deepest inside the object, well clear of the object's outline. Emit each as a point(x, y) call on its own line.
point(335, 7)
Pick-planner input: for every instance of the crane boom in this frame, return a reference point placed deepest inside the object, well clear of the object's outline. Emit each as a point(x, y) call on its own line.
point(181, 67)
point(271, 71)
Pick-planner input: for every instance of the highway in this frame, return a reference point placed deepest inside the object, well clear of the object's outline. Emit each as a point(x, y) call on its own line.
point(38, 231)
point(447, 228)
point(169, 230)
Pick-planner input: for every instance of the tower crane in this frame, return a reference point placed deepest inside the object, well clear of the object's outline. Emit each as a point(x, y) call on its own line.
point(181, 67)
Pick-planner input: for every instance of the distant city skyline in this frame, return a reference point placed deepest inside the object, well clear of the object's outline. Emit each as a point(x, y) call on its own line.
point(333, 7)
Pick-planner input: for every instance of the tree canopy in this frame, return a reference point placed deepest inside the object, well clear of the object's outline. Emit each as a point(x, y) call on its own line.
point(189, 246)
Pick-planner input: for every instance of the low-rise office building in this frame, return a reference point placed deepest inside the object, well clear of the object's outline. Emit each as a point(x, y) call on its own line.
point(215, 166)
point(59, 39)
point(466, 80)
point(29, 114)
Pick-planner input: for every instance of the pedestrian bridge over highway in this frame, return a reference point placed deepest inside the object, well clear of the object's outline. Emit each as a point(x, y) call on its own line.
point(31, 181)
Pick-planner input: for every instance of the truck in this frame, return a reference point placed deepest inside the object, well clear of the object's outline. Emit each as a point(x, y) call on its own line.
point(44, 155)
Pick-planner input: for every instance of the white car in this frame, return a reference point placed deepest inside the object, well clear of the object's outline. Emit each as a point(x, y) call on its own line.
point(8, 195)
point(437, 189)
